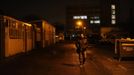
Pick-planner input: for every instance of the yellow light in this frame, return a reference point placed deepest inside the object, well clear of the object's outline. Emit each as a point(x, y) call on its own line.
point(84, 28)
point(56, 36)
point(28, 24)
point(79, 23)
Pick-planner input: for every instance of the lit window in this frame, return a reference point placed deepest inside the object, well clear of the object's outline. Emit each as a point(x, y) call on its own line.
point(113, 11)
point(96, 17)
point(73, 35)
point(112, 6)
point(82, 17)
point(79, 17)
point(74, 17)
point(91, 21)
point(113, 21)
point(97, 21)
point(113, 16)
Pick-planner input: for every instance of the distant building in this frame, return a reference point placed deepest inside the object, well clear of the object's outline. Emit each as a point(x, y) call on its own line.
point(88, 15)
point(94, 16)
point(109, 12)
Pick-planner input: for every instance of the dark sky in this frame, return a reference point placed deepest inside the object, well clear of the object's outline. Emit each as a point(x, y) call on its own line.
point(45, 8)
point(52, 10)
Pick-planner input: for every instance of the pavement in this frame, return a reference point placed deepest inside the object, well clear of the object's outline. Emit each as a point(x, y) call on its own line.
point(62, 59)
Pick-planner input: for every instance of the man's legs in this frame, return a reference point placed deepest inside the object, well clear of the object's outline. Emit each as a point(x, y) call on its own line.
point(83, 56)
point(80, 58)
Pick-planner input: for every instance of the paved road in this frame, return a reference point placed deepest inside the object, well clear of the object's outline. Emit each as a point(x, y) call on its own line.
point(61, 59)
point(105, 55)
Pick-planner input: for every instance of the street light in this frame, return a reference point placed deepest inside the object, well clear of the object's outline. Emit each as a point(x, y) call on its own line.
point(79, 27)
point(79, 23)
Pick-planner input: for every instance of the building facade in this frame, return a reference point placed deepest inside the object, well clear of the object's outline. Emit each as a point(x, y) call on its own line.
point(89, 16)
point(106, 13)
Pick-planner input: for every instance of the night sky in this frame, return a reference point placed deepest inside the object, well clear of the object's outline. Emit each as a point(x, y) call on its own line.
point(52, 10)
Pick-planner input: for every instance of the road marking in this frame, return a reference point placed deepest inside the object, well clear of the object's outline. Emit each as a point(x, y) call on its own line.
point(109, 59)
point(95, 65)
point(122, 67)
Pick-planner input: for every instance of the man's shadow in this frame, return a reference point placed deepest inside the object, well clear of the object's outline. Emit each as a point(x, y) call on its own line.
point(83, 70)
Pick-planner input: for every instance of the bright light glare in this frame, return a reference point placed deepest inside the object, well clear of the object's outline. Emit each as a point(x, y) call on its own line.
point(91, 21)
point(79, 23)
point(84, 28)
point(112, 6)
point(27, 24)
point(113, 22)
point(73, 35)
point(97, 21)
point(79, 17)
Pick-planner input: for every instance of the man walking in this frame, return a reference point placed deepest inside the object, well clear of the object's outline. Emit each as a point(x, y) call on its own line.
point(81, 45)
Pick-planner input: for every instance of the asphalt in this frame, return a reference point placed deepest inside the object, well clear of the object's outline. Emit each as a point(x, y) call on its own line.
point(62, 59)
point(58, 59)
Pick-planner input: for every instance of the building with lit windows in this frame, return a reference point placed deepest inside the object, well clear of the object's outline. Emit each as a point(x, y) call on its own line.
point(109, 12)
point(109, 17)
point(99, 18)
point(88, 15)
